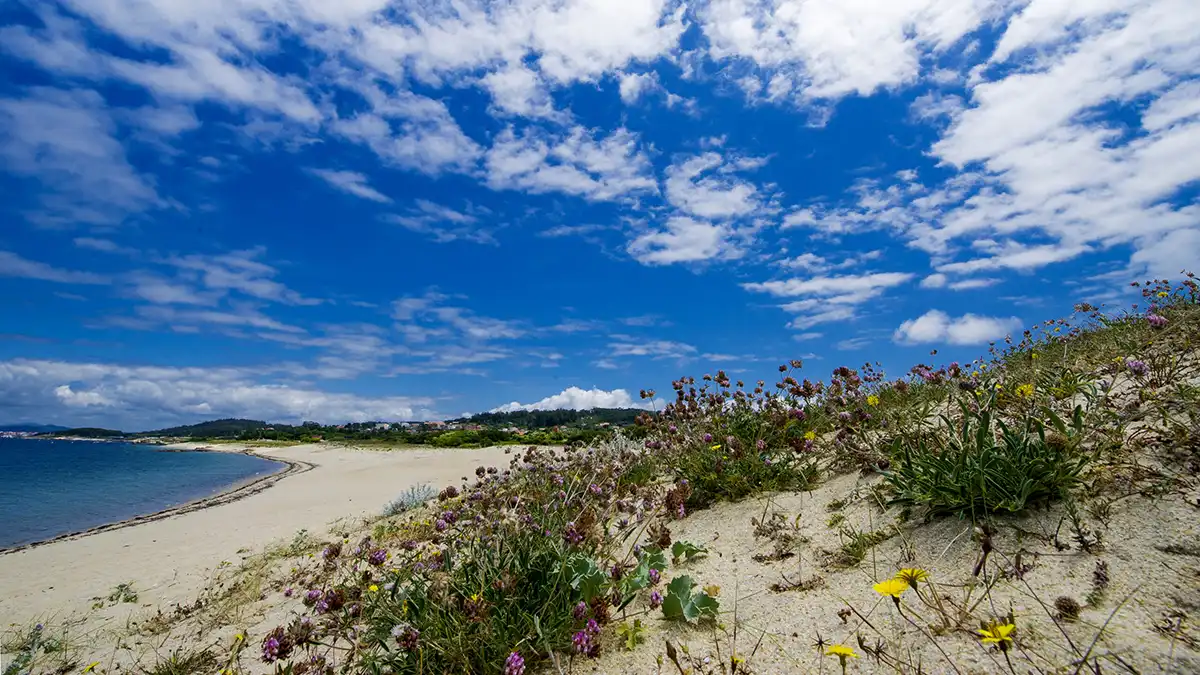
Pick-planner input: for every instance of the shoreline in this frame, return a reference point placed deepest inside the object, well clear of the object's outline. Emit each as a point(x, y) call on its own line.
point(233, 493)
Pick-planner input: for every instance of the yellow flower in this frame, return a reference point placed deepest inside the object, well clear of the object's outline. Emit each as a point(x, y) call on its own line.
point(999, 634)
point(91, 667)
point(841, 651)
point(1163, 294)
point(1025, 390)
point(892, 587)
point(998, 387)
point(912, 576)
point(810, 435)
point(872, 400)
point(373, 588)
point(716, 447)
point(1034, 355)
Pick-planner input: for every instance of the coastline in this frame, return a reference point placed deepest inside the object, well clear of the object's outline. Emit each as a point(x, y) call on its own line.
point(234, 492)
point(171, 556)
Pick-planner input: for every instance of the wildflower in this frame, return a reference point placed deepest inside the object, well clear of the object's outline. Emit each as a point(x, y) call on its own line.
point(1156, 320)
point(440, 525)
point(912, 576)
point(797, 414)
point(656, 599)
point(760, 444)
point(999, 634)
point(593, 628)
point(1137, 367)
point(373, 588)
point(91, 667)
point(655, 576)
point(377, 557)
point(716, 447)
point(1034, 355)
point(893, 588)
point(514, 664)
point(312, 596)
point(872, 400)
point(580, 610)
point(708, 438)
point(406, 636)
point(842, 652)
point(1163, 294)
point(810, 435)
point(288, 592)
point(1025, 390)
point(582, 642)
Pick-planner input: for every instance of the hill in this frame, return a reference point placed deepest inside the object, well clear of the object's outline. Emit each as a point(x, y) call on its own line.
point(227, 428)
point(32, 428)
point(538, 419)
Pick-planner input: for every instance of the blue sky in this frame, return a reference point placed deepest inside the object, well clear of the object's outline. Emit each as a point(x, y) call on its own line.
point(371, 209)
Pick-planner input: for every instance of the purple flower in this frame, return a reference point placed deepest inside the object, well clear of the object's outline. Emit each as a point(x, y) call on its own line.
point(406, 636)
point(450, 517)
point(287, 592)
point(656, 600)
point(440, 525)
point(582, 642)
point(580, 610)
point(312, 596)
point(844, 416)
point(514, 664)
point(708, 438)
point(760, 444)
point(1137, 367)
point(572, 535)
point(680, 512)
point(593, 627)
point(655, 577)
point(270, 649)
point(1156, 320)
point(377, 557)
point(595, 489)
point(797, 413)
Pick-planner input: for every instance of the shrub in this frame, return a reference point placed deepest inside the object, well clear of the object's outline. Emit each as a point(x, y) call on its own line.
point(984, 470)
point(410, 499)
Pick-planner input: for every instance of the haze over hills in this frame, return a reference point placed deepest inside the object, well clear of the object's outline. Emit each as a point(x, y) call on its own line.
point(32, 428)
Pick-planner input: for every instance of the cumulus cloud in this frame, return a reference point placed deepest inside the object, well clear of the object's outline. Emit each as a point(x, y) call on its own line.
point(936, 326)
point(574, 398)
point(142, 397)
point(828, 299)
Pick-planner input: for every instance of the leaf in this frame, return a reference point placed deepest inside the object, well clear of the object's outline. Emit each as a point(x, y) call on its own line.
point(706, 605)
point(586, 577)
point(686, 550)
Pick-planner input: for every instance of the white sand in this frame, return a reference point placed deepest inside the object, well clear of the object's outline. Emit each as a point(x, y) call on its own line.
point(171, 559)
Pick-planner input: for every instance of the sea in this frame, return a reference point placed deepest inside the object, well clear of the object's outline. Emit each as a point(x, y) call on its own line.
point(49, 488)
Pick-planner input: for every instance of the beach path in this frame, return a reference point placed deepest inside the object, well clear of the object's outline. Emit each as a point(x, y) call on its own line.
point(170, 559)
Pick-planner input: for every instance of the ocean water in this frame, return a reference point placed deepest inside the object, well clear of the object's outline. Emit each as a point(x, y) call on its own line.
point(48, 488)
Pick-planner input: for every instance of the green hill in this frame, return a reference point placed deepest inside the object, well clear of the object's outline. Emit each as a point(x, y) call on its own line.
point(227, 428)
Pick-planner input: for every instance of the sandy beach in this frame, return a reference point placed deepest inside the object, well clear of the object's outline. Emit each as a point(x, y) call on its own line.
point(170, 557)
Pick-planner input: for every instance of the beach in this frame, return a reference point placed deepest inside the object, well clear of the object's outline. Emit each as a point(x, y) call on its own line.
point(170, 557)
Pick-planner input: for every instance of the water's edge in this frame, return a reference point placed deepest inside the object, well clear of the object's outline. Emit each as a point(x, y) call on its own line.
point(235, 492)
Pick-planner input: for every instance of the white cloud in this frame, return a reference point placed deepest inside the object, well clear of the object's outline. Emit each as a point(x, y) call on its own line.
point(238, 271)
point(442, 224)
point(103, 245)
point(574, 398)
point(969, 329)
point(828, 299)
point(67, 141)
point(683, 240)
point(142, 397)
point(659, 349)
point(633, 85)
point(701, 186)
point(579, 163)
point(351, 182)
point(832, 48)
point(13, 265)
point(934, 281)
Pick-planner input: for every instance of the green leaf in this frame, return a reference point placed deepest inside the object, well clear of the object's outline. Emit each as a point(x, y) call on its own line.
point(686, 550)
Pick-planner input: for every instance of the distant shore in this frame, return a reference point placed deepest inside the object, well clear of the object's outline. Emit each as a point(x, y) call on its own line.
point(169, 556)
point(239, 490)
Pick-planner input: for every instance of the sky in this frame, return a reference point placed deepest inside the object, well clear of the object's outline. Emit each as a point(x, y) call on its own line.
point(396, 210)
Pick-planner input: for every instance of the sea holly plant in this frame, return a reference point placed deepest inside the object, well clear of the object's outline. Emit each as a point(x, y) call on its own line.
point(586, 577)
point(681, 603)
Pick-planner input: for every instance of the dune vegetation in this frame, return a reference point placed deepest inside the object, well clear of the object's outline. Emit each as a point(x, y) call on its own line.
point(1033, 511)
